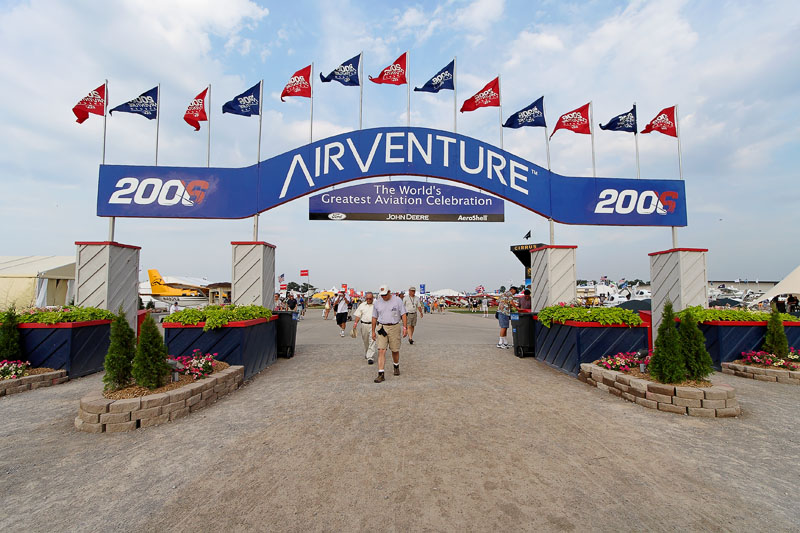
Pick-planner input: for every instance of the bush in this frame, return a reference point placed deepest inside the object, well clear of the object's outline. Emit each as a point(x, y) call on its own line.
point(601, 315)
point(10, 339)
point(693, 344)
point(66, 314)
point(150, 366)
point(216, 316)
point(731, 315)
point(775, 342)
point(121, 351)
point(667, 364)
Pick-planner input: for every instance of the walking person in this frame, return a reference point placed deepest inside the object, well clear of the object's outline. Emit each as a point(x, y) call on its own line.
point(412, 305)
point(301, 305)
point(327, 309)
point(341, 302)
point(485, 306)
point(291, 305)
point(387, 313)
point(363, 316)
point(505, 306)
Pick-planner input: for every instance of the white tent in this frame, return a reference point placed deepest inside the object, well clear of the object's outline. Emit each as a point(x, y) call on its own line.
point(446, 292)
point(36, 280)
point(788, 285)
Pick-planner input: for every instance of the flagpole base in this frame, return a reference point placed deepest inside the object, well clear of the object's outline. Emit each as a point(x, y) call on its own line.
point(553, 276)
point(253, 267)
point(678, 275)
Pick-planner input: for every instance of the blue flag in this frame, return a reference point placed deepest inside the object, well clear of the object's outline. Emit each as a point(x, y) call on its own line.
point(623, 122)
point(146, 104)
point(444, 79)
point(346, 73)
point(246, 104)
point(533, 115)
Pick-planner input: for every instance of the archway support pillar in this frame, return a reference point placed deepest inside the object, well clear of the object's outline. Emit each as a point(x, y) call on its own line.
point(678, 275)
point(253, 271)
point(553, 276)
point(107, 277)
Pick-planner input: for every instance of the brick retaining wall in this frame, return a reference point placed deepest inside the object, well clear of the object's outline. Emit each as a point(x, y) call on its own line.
point(97, 414)
point(13, 386)
point(762, 374)
point(715, 401)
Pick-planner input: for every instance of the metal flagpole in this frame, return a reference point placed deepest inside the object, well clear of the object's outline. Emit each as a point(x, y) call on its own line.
point(208, 152)
point(360, 88)
point(112, 220)
point(680, 170)
point(311, 127)
point(591, 131)
point(636, 142)
point(455, 100)
point(258, 158)
point(500, 110)
point(158, 117)
point(547, 146)
point(408, 89)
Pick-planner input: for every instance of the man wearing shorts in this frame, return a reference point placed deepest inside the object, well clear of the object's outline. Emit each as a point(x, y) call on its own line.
point(485, 306)
point(413, 305)
point(505, 306)
point(341, 311)
point(387, 313)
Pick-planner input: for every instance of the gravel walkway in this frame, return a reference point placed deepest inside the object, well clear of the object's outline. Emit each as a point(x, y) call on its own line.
point(468, 438)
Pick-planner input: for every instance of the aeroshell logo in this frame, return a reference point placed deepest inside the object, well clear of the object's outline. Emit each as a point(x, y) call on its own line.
point(337, 216)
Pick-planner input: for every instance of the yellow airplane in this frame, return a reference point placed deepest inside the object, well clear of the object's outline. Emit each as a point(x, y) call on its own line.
point(185, 295)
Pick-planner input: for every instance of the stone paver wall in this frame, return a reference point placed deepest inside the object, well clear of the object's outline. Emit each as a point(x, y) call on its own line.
point(715, 401)
point(13, 386)
point(762, 374)
point(97, 414)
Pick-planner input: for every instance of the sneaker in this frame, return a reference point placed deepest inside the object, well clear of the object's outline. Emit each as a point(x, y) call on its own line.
point(370, 361)
point(341, 333)
point(410, 341)
point(507, 347)
point(499, 345)
point(397, 371)
point(380, 378)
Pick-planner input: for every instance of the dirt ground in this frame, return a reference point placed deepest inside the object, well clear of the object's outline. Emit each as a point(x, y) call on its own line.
point(467, 438)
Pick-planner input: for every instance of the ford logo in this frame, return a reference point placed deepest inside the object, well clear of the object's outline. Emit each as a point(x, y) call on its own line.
point(337, 216)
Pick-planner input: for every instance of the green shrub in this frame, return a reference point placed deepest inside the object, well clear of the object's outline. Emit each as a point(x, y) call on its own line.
point(216, 316)
point(667, 364)
point(150, 366)
point(121, 351)
point(67, 314)
point(731, 315)
point(693, 344)
point(10, 338)
point(602, 315)
point(775, 341)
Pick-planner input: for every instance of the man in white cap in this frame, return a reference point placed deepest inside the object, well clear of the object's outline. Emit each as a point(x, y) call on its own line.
point(342, 299)
point(363, 316)
point(413, 305)
point(387, 313)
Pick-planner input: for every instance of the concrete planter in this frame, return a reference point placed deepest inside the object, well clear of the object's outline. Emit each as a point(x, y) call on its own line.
point(13, 386)
point(779, 375)
point(249, 343)
point(566, 346)
point(77, 347)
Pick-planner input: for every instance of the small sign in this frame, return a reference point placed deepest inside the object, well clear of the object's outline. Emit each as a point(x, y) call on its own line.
point(422, 288)
point(514, 316)
point(304, 273)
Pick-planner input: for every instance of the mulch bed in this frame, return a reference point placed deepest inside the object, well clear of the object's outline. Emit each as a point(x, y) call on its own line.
point(135, 391)
point(37, 371)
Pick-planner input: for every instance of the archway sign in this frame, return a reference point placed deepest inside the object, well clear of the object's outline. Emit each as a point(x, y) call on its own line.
point(197, 192)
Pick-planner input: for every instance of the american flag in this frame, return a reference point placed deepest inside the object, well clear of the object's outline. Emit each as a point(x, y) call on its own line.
point(480, 288)
point(281, 278)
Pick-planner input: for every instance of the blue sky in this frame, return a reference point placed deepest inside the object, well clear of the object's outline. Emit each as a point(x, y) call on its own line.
point(733, 68)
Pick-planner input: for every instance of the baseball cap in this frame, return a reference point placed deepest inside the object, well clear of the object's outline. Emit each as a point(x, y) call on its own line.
point(412, 288)
point(384, 290)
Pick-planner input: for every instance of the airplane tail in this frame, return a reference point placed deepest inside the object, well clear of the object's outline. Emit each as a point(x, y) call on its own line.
point(157, 285)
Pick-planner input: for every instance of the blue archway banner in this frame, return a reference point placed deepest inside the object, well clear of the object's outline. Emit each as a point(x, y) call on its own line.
point(191, 192)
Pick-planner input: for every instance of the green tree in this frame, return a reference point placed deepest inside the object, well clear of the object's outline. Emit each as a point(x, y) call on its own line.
point(10, 338)
point(775, 342)
point(150, 366)
point(667, 364)
point(121, 351)
point(693, 344)
point(502, 289)
point(292, 286)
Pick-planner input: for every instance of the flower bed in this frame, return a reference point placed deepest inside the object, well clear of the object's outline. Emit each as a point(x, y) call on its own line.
point(31, 378)
point(718, 400)
point(763, 366)
point(98, 414)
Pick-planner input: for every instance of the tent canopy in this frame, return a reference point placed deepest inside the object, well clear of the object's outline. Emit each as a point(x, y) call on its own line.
point(36, 280)
point(41, 266)
point(788, 285)
point(446, 292)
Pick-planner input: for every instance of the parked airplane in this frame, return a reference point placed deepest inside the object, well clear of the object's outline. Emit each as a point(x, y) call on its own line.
point(186, 295)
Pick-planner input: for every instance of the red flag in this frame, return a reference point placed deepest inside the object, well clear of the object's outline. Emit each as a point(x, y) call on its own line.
point(663, 123)
point(299, 84)
point(196, 112)
point(394, 74)
point(94, 102)
point(304, 273)
point(489, 96)
point(577, 121)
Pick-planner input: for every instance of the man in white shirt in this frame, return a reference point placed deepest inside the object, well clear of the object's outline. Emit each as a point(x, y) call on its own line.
point(387, 313)
point(363, 316)
point(485, 306)
point(341, 310)
point(413, 306)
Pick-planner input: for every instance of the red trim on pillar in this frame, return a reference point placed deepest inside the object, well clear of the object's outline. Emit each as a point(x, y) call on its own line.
point(553, 246)
point(107, 243)
point(254, 242)
point(679, 250)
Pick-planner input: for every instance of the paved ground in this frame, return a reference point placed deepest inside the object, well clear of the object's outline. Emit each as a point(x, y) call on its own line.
point(469, 437)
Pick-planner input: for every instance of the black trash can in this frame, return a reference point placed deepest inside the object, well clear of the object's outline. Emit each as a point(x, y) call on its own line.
point(287, 333)
point(522, 333)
